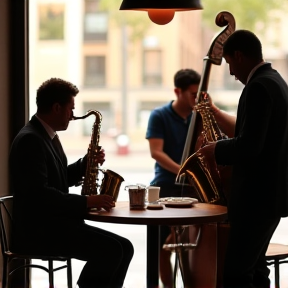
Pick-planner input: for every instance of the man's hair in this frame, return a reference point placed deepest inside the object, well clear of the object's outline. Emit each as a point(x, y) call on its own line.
point(186, 77)
point(54, 90)
point(244, 41)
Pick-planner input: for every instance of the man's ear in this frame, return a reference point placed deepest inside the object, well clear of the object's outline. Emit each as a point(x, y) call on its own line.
point(56, 107)
point(177, 91)
point(238, 55)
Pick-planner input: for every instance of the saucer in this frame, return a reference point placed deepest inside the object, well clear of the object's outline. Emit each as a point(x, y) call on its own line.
point(178, 202)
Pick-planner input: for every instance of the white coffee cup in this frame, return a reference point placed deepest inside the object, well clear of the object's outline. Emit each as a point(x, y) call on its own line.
point(153, 193)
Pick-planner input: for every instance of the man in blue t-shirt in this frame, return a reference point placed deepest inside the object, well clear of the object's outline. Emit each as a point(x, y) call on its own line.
point(166, 132)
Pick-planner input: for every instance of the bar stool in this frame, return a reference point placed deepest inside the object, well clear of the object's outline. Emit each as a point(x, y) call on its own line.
point(6, 203)
point(181, 244)
point(277, 254)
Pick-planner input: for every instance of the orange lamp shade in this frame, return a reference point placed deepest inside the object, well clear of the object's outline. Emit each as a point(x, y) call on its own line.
point(161, 16)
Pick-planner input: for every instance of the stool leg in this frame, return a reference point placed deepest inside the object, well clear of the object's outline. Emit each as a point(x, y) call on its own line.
point(51, 272)
point(175, 269)
point(277, 272)
point(27, 273)
point(5, 275)
point(69, 273)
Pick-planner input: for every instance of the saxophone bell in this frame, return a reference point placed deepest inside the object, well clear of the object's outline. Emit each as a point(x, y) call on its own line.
point(111, 183)
point(205, 179)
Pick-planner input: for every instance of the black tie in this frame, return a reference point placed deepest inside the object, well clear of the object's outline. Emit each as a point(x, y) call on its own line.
point(58, 147)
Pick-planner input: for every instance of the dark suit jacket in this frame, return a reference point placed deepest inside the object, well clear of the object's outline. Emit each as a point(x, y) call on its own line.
point(259, 151)
point(43, 208)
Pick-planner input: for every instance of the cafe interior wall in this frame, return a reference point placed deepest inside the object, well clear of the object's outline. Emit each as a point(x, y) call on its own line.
point(13, 87)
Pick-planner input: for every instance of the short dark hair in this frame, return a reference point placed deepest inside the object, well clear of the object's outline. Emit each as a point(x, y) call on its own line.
point(54, 90)
point(186, 77)
point(244, 41)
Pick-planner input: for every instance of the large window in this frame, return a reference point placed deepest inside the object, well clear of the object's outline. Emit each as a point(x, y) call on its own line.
point(51, 21)
point(152, 64)
point(95, 71)
point(230, 83)
point(144, 111)
point(95, 22)
point(104, 109)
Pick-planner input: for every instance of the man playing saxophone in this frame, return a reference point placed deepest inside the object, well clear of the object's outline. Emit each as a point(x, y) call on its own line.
point(258, 154)
point(47, 219)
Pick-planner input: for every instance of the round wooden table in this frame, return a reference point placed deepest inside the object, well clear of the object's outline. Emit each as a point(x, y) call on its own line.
point(199, 213)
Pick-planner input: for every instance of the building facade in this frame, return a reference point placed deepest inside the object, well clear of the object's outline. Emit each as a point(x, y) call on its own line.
point(121, 77)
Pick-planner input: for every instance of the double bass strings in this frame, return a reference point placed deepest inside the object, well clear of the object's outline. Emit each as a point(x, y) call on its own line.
point(182, 185)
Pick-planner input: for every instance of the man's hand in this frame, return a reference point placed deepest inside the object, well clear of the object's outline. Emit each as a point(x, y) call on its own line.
point(100, 157)
point(100, 201)
point(208, 100)
point(208, 152)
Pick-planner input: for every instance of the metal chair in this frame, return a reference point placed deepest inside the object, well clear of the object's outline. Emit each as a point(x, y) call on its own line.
point(6, 203)
point(181, 244)
point(277, 254)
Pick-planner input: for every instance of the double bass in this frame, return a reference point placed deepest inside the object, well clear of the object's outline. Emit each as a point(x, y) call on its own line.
point(205, 177)
point(202, 266)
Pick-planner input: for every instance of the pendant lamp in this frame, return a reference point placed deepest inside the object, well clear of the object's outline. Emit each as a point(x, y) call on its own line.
point(161, 11)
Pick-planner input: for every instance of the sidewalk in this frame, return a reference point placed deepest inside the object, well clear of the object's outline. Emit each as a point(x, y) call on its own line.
point(137, 156)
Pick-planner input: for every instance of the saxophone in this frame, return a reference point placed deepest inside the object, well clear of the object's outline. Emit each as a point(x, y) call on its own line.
point(111, 181)
point(204, 176)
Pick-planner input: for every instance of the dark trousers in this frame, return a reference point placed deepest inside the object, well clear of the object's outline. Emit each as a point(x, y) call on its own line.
point(245, 264)
point(107, 256)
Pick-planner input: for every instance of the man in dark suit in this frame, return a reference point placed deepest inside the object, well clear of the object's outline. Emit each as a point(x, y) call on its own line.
point(47, 219)
point(258, 153)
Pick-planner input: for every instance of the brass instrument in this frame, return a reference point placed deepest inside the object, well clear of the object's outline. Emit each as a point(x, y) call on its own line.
point(111, 181)
point(203, 175)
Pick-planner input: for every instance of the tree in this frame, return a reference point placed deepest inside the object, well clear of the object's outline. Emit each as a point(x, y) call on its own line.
point(138, 22)
point(249, 14)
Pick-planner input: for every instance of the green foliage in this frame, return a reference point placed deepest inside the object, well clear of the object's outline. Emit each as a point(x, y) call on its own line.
point(51, 24)
point(137, 21)
point(248, 14)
